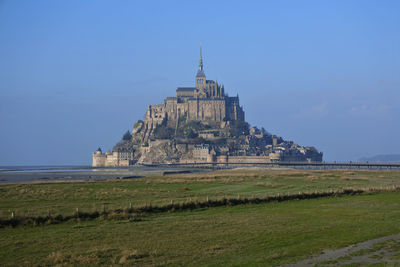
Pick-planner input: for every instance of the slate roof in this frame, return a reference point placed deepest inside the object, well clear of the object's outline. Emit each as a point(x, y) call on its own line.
point(186, 89)
point(200, 73)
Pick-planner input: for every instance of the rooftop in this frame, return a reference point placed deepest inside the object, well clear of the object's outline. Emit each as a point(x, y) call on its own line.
point(186, 89)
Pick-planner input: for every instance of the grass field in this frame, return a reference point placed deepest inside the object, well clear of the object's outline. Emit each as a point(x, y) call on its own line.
point(65, 198)
point(254, 234)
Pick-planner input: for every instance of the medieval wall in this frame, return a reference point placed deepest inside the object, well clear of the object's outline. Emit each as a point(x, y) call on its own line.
point(111, 159)
point(155, 114)
point(242, 159)
point(98, 159)
point(206, 109)
point(234, 111)
point(296, 157)
point(209, 109)
point(202, 109)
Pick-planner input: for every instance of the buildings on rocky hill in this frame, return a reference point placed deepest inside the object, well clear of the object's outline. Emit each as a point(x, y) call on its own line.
point(206, 102)
point(201, 124)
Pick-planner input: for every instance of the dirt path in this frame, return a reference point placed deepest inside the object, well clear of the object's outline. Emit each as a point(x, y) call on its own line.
point(380, 250)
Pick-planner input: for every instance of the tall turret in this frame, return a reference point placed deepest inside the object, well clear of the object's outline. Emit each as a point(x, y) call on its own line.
point(200, 77)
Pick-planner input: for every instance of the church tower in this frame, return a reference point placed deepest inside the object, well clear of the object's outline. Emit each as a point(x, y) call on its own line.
point(200, 77)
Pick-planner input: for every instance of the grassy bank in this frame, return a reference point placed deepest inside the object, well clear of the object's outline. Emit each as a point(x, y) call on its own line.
point(64, 198)
point(264, 234)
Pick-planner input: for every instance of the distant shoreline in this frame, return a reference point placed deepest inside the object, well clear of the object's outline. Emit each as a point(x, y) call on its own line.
point(43, 174)
point(40, 174)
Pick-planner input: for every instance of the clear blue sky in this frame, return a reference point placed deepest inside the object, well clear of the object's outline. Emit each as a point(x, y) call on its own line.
point(75, 75)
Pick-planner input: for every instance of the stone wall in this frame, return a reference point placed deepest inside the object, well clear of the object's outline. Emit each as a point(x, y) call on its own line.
point(245, 159)
point(211, 110)
point(201, 153)
point(111, 159)
point(98, 159)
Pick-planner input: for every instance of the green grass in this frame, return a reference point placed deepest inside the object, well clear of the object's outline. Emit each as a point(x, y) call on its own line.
point(396, 256)
point(264, 234)
point(253, 234)
point(362, 252)
point(64, 198)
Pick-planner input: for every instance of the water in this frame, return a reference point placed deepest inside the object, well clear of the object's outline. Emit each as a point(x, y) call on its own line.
point(22, 169)
point(30, 174)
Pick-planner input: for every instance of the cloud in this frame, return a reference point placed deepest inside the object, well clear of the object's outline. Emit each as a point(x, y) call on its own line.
point(344, 79)
point(387, 82)
point(148, 81)
point(370, 110)
point(317, 111)
point(320, 109)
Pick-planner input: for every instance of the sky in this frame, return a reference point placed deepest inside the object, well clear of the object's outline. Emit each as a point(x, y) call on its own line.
point(75, 75)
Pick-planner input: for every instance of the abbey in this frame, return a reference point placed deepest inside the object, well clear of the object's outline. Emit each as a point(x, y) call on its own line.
point(201, 124)
point(206, 102)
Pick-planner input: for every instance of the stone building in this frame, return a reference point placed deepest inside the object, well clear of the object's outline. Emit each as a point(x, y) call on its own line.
point(112, 159)
point(206, 102)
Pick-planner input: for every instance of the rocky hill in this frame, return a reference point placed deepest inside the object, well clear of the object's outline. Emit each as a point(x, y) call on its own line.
point(201, 124)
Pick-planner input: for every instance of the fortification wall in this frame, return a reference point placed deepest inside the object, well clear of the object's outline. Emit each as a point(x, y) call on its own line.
point(234, 111)
point(202, 109)
point(98, 160)
point(155, 113)
point(309, 157)
point(207, 110)
point(110, 159)
point(248, 159)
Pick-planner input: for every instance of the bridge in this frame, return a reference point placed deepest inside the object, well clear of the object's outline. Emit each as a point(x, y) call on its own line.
point(292, 165)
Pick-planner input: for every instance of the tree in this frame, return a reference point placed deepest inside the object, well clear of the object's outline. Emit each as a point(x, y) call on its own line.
point(163, 132)
point(265, 132)
point(127, 136)
point(190, 129)
point(138, 123)
point(237, 128)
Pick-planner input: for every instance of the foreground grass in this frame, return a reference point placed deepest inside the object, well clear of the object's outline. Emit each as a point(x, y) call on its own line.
point(64, 198)
point(263, 234)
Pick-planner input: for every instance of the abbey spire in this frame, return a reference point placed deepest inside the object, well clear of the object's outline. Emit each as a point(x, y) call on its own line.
point(200, 71)
point(200, 77)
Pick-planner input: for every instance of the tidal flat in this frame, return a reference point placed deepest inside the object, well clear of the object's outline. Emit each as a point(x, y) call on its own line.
point(264, 234)
point(40, 174)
